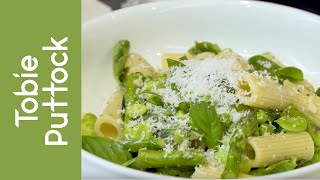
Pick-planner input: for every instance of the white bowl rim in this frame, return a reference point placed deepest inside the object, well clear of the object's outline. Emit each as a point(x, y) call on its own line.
point(133, 172)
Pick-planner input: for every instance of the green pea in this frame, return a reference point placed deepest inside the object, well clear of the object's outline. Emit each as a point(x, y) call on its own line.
point(225, 119)
point(161, 80)
point(138, 132)
point(184, 106)
point(136, 110)
point(180, 114)
point(266, 129)
point(87, 124)
point(262, 116)
point(293, 124)
point(150, 85)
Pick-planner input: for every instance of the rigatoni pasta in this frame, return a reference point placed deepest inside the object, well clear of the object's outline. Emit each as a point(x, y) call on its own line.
point(208, 113)
point(110, 123)
point(274, 148)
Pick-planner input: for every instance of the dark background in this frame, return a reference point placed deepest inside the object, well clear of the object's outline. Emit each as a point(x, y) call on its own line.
point(308, 5)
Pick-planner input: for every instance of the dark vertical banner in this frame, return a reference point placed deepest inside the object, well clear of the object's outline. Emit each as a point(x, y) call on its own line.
point(40, 89)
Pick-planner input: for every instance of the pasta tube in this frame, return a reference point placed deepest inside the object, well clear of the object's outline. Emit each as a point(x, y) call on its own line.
point(137, 63)
point(109, 124)
point(262, 92)
point(274, 148)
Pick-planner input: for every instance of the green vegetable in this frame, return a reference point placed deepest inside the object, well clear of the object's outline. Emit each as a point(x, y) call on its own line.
point(180, 114)
point(316, 157)
point(262, 117)
point(179, 135)
point(136, 110)
point(130, 95)
point(182, 58)
point(138, 132)
point(204, 117)
point(156, 100)
point(106, 149)
point(318, 92)
point(87, 124)
point(159, 159)
point(266, 129)
point(311, 129)
point(261, 63)
point(135, 146)
point(237, 145)
point(184, 106)
point(178, 172)
point(292, 74)
point(120, 55)
point(172, 63)
point(161, 80)
point(314, 133)
point(282, 166)
point(293, 124)
point(245, 164)
point(204, 47)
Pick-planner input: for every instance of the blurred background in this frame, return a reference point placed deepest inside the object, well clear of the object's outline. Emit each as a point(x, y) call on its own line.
point(94, 8)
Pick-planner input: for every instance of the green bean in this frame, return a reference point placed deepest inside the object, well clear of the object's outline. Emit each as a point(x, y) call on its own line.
point(135, 146)
point(245, 164)
point(293, 124)
point(282, 166)
point(178, 172)
point(131, 87)
point(87, 124)
point(120, 55)
point(159, 159)
point(237, 145)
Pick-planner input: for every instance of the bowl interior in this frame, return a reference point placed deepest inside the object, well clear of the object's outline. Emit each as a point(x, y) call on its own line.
point(248, 27)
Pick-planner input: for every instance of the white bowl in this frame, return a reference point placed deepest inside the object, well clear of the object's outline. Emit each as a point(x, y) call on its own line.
point(248, 27)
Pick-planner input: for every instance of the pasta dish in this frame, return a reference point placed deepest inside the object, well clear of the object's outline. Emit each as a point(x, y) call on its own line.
point(207, 113)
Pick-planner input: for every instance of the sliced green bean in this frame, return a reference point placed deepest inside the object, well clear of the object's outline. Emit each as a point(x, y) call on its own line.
point(159, 159)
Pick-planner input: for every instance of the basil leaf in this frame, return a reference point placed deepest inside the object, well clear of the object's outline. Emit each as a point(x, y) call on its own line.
point(204, 47)
point(292, 74)
point(120, 55)
point(318, 92)
point(204, 117)
point(172, 63)
point(106, 148)
point(261, 63)
point(281, 166)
